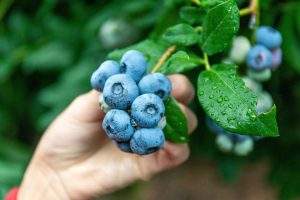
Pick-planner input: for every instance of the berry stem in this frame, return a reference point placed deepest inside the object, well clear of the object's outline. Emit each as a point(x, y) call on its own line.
point(253, 8)
point(163, 58)
point(199, 29)
point(206, 62)
point(197, 2)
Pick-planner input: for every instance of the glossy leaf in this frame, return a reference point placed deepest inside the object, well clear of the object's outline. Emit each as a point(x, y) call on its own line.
point(180, 62)
point(182, 35)
point(191, 14)
point(220, 25)
point(176, 129)
point(227, 100)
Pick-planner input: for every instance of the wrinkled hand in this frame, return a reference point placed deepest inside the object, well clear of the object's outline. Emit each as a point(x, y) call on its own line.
point(75, 160)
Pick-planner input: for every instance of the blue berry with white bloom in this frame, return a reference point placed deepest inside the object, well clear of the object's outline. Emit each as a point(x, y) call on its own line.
point(276, 58)
point(146, 141)
point(268, 37)
point(259, 58)
point(120, 91)
point(104, 71)
point(117, 126)
point(156, 83)
point(147, 110)
point(134, 64)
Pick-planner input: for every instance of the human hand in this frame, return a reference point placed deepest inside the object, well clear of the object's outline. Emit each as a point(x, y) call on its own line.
point(75, 160)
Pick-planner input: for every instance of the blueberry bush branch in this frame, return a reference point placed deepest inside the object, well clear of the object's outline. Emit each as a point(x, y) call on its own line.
point(163, 58)
point(206, 62)
point(210, 28)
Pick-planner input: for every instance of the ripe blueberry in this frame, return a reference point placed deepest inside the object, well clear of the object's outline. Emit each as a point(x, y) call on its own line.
point(104, 71)
point(124, 146)
point(147, 110)
point(276, 58)
point(259, 58)
point(213, 126)
point(120, 90)
point(146, 141)
point(239, 49)
point(269, 37)
point(117, 126)
point(134, 64)
point(156, 83)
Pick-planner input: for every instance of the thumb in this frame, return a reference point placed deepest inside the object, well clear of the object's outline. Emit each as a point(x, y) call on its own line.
point(85, 108)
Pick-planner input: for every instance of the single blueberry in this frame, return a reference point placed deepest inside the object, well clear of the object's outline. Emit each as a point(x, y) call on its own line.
point(147, 110)
point(124, 146)
point(259, 58)
point(156, 83)
point(276, 58)
point(117, 126)
point(244, 147)
point(104, 71)
point(268, 37)
point(146, 141)
point(239, 49)
point(134, 64)
point(120, 90)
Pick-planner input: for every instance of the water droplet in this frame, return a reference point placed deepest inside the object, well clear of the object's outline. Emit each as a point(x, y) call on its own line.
point(211, 96)
point(219, 100)
point(201, 93)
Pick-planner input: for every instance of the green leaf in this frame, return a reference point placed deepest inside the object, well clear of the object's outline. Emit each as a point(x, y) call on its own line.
point(211, 3)
point(180, 62)
point(192, 15)
point(182, 35)
point(176, 129)
point(152, 50)
point(227, 100)
point(220, 25)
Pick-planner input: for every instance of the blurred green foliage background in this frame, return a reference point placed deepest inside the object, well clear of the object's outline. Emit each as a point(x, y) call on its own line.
point(49, 48)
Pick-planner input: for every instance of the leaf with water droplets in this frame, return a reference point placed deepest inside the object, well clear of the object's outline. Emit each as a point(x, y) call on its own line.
point(220, 25)
point(226, 100)
point(176, 129)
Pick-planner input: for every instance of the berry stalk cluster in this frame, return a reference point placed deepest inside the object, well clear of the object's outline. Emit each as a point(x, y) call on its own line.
point(134, 103)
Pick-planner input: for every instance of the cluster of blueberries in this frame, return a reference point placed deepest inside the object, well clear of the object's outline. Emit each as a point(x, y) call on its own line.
point(133, 101)
point(261, 58)
point(266, 54)
point(230, 142)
